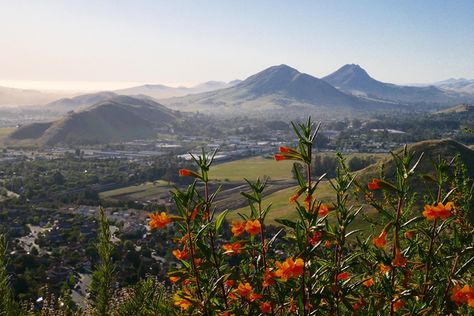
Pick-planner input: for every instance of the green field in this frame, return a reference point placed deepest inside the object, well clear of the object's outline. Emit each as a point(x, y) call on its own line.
point(281, 207)
point(251, 168)
point(4, 133)
point(148, 190)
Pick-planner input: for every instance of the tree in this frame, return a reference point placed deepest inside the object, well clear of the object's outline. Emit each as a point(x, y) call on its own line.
point(101, 286)
point(8, 306)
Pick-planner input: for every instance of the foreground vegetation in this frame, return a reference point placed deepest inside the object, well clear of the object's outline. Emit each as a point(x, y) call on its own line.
point(416, 258)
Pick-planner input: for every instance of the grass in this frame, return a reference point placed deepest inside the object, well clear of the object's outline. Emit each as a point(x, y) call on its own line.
point(144, 191)
point(251, 168)
point(4, 132)
point(281, 207)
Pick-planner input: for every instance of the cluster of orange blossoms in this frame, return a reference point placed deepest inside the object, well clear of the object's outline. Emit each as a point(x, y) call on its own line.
point(441, 210)
point(158, 221)
point(245, 290)
point(253, 227)
point(463, 295)
point(289, 269)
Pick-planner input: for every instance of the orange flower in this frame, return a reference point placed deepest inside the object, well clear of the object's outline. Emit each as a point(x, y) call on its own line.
point(399, 260)
point(307, 202)
point(295, 197)
point(369, 282)
point(254, 296)
point(432, 212)
point(408, 234)
point(285, 150)
point(356, 306)
point(244, 289)
point(237, 228)
point(232, 249)
point(268, 278)
point(279, 157)
point(463, 295)
point(182, 303)
point(174, 279)
point(158, 220)
point(374, 185)
point(327, 244)
point(384, 268)
point(229, 283)
point(315, 238)
point(180, 255)
point(289, 269)
point(185, 172)
point(231, 296)
point(381, 240)
point(253, 227)
point(265, 307)
point(342, 276)
point(397, 305)
point(323, 210)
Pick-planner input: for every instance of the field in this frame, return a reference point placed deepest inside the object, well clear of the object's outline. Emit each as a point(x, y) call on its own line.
point(251, 168)
point(144, 191)
point(4, 131)
point(279, 189)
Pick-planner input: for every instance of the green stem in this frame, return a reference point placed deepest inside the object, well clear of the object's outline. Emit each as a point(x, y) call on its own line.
point(213, 248)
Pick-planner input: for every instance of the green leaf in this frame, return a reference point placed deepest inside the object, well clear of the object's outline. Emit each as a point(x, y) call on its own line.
point(248, 196)
point(286, 222)
point(299, 177)
point(220, 219)
point(465, 266)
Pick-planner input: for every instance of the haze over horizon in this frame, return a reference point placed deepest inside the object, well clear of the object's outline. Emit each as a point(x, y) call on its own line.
point(55, 45)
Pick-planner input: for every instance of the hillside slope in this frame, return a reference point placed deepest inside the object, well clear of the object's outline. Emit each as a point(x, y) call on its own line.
point(432, 150)
point(117, 119)
point(278, 89)
point(355, 80)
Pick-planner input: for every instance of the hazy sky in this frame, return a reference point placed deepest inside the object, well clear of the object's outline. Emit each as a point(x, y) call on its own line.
point(186, 42)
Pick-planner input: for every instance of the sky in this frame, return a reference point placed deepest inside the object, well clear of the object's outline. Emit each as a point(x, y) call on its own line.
point(113, 44)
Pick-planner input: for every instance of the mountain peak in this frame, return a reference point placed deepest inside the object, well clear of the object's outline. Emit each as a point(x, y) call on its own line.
point(352, 70)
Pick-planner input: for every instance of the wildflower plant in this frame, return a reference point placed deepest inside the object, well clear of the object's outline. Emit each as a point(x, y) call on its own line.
point(331, 258)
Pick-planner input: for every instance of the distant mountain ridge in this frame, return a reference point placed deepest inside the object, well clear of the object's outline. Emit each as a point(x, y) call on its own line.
point(459, 85)
point(353, 79)
point(81, 100)
point(120, 118)
point(20, 97)
point(159, 91)
point(277, 88)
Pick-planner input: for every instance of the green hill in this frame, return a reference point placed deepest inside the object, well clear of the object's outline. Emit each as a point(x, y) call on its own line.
point(432, 149)
point(117, 119)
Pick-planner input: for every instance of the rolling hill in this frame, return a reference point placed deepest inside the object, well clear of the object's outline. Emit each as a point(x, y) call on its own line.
point(116, 119)
point(21, 97)
point(278, 89)
point(77, 102)
point(432, 149)
point(159, 91)
point(457, 84)
point(461, 108)
point(353, 79)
